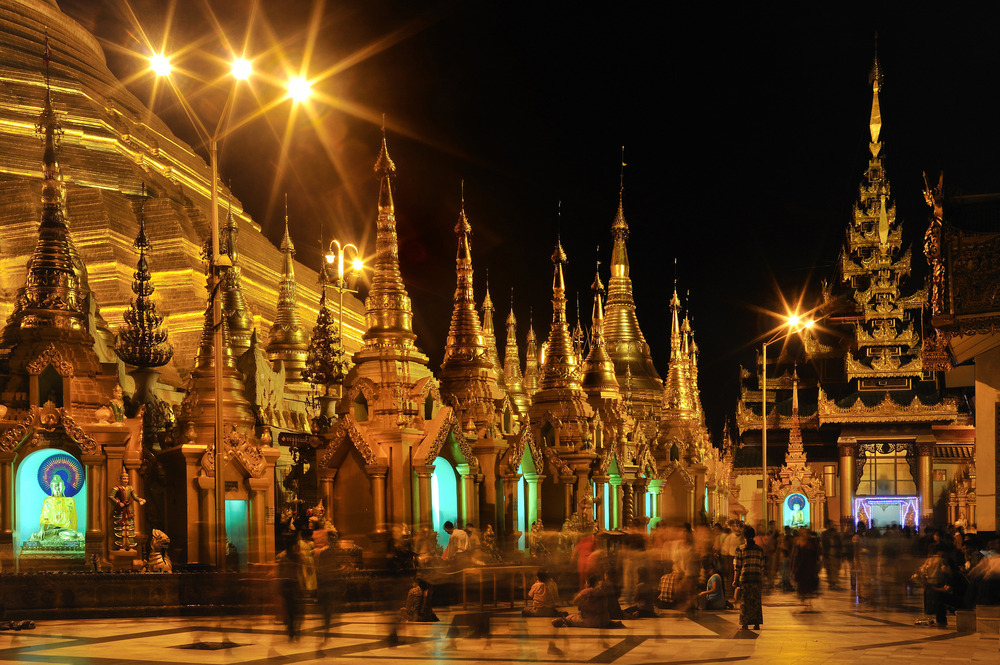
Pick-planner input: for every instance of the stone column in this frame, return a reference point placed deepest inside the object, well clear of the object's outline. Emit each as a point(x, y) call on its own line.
point(925, 486)
point(846, 450)
point(466, 495)
point(378, 476)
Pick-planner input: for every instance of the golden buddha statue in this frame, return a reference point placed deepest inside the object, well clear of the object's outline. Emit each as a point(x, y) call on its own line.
point(58, 516)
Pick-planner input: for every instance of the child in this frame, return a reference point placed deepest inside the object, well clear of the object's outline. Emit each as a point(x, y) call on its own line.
point(544, 597)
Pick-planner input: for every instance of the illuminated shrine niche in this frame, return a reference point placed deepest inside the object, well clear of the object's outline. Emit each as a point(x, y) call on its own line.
point(51, 504)
point(795, 511)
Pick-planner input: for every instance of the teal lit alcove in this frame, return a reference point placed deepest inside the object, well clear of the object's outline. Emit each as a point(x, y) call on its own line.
point(33, 487)
point(444, 497)
point(236, 529)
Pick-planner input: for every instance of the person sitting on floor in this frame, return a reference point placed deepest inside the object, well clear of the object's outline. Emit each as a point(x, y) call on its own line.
point(668, 590)
point(712, 597)
point(593, 609)
point(418, 603)
point(544, 596)
point(611, 588)
point(645, 597)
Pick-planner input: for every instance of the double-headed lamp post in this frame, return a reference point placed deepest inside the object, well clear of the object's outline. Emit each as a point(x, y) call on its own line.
point(298, 90)
point(335, 257)
point(794, 324)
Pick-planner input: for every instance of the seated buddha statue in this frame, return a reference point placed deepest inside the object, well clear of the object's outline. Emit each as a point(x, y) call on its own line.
point(58, 517)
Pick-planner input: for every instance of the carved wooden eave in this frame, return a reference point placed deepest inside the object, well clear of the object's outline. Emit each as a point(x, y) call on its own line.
point(670, 468)
point(50, 356)
point(887, 337)
point(815, 348)
point(48, 420)
point(510, 460)
point(747, 419)
point(556, 462)
point(347, 430)
point(887, 411)
point(245, 453)
point(884, 366)
point(436, 433)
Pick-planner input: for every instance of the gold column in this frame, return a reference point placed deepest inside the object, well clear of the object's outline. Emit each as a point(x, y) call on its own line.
point(7, 496)
point(628, 501)
point(507, 532)
point(614, 504)
point(378, 476)
point(602, 487)
point(424, 517)
point(925, 449)
point(846, 449)
point(568, 494)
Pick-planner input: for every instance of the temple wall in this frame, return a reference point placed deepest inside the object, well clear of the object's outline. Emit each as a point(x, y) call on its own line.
point(987, 443)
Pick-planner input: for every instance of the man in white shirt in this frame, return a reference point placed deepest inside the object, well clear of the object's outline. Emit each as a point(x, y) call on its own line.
point(458, 543)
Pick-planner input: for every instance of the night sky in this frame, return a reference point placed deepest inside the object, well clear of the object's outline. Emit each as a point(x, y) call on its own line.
point(745, 134)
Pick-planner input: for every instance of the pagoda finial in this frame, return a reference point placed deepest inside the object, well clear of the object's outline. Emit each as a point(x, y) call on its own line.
point(560, 368)
point(288, 340)
point(598, 369)
point(141, 340)
point(389, 314)
point(512, 364)
point(875, 122)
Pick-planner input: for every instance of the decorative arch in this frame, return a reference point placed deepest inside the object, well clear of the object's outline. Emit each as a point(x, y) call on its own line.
point(364, 386)
point(678, 468)
point(50, 356)
point(347, 429)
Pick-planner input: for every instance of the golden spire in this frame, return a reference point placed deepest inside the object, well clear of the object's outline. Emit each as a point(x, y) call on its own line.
point(560, 368)
point(237, 312)
point(531, 379)
point(388, 311)
point(598, 369)
point(512, 364)
point(467, 374)
point(288, 340)
point(625, 342)
point(677, 399)
point(466, 343)
point(489, 334)
point(52, 296)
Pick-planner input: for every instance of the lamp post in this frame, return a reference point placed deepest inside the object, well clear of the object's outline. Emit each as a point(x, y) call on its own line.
point(335, 256)
point(298, 90)
point(793, 325)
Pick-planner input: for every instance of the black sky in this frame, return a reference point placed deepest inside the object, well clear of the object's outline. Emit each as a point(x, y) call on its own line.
point(745, 134)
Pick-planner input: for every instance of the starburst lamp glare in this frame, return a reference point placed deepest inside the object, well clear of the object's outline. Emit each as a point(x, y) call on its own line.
point(793, 320)
point(242, 69)
point(357, 264)
point(299, 89)
point(160, 64)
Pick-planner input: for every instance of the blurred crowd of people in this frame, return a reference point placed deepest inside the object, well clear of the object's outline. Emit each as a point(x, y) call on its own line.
point(614, 576)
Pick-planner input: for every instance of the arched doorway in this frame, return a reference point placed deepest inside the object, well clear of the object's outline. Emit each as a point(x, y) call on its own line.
point(444, 497)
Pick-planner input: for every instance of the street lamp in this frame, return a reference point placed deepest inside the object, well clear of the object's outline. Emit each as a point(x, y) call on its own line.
point(794, 324)
point(241, 70)
point(336, 256)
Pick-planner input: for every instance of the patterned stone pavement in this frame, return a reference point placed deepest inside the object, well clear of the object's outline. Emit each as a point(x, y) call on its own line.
point(837, 631)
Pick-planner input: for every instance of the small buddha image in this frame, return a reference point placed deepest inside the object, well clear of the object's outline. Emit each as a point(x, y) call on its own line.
point(796, 504)
point(57, 521)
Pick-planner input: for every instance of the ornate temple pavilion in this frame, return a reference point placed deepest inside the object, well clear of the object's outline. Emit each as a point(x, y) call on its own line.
point(878, 439)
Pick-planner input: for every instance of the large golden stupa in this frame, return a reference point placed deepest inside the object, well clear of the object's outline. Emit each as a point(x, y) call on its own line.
point(111, 146)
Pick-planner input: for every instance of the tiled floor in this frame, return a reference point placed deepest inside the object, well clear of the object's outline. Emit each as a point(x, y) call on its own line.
point(838, 632)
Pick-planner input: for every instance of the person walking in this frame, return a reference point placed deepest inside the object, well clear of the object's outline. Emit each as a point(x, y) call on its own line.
point(748, 577)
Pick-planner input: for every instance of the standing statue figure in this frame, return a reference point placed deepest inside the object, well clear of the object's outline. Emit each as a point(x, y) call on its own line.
point(124, 498)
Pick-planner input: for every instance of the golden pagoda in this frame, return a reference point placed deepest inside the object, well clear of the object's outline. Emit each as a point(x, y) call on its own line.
point(531, 374)
point(234, 305)
point(468, 377)
point(512, 365)
point(625, 342)
point(598, 379)
point(288, 341)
